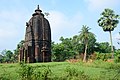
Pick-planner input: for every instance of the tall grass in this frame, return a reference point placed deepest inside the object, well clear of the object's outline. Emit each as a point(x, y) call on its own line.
point(97, 70)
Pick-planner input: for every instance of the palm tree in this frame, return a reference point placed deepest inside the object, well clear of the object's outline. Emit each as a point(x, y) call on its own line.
point(84, 38)
point(108, 21)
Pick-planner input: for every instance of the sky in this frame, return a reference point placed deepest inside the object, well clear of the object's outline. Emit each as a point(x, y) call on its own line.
point(66, 19)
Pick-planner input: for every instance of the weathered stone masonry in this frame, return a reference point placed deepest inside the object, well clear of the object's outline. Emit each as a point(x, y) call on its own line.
point(37, 46)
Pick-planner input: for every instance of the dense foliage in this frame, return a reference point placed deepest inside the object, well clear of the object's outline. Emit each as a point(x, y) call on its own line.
point(7, 56)
point(117, 56)
point(72, 48)
point(103, 47)
point(69, 48)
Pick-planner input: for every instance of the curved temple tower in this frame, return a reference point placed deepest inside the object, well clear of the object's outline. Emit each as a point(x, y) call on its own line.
point(37, 46)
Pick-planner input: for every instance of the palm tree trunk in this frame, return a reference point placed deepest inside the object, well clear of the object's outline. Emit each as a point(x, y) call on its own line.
point(84, 59)
point(112, 50)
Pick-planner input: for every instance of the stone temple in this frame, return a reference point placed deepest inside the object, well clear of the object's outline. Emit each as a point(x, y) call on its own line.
point(37, 46)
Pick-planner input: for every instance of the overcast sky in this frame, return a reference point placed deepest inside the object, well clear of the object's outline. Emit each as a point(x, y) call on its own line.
point(66, 19)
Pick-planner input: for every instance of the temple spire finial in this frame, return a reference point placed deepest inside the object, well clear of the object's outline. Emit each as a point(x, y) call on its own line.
point(37, 6)
point(38, 9)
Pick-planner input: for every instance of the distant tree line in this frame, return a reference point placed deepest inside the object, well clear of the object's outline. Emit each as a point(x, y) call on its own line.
point(7, 56)
point(10, 56)
point(72, 48)
point(68, 48)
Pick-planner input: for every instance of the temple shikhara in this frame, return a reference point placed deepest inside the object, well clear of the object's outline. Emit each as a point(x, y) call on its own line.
point(37, 46)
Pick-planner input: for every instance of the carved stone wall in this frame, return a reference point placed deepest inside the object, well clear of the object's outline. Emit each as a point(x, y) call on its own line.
point(37, 46)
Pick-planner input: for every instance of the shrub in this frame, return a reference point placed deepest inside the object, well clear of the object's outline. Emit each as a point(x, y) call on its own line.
point(117, 56)
point(74, 74)
point(103, 56)
point(71, 71)
point(6, 75)
point(25, 71)
point(46, 73)
point(36, 74)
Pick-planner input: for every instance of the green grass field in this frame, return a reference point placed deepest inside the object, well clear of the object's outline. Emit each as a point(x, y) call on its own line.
point(97, 70)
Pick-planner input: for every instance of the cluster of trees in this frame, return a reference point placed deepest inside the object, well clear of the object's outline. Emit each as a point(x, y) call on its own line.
point(74, 48)
point(10, 56)
point(85, 42)
point(7, 56)
point(70, 47)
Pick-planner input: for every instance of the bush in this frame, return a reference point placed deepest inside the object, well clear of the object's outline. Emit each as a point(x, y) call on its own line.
point(103, 56)
point(6, 75)
point(117, 56)
point(46, 73)
point(74, 74)
point(36, 74)
point(71, 71)
point(27, 72)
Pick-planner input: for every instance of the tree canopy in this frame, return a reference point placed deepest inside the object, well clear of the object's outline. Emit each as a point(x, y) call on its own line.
point(108, 20)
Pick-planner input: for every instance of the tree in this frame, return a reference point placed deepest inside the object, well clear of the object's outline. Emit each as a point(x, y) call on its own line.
point(20, 44)
point(7, 56)
point(91, 44)
point(108, 21)
point(103, 47)
point(1, 58)
point(3, 52)
point(84, 38)
point(47, 14)
point(58, 52)
point(16, 51)
point(77, 46)
point(66, 49)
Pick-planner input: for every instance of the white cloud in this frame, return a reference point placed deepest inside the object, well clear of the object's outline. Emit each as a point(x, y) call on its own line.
point(12, 24)
point(57, 19)
point(13, 16)
point(62, 25)
point(7, 33)
point(101, 4)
